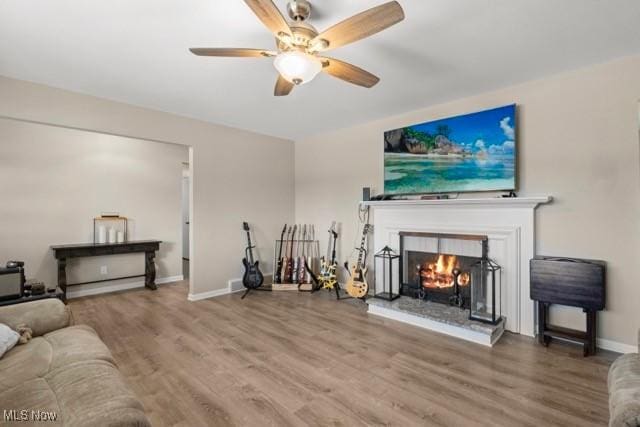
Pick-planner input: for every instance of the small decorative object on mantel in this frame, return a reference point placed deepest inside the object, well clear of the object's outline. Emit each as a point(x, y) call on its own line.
point(116, 232)
point(384, 262)
point(486, 291)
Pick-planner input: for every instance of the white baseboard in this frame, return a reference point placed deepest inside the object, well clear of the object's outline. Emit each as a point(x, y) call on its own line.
point(84, 292)
point(208, 294)
point(233, 285)
point(618, 347)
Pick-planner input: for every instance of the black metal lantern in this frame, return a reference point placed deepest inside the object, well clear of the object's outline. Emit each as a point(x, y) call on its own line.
point(486, 291)
point(384, 273)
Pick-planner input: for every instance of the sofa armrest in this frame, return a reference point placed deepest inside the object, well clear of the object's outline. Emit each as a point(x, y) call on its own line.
point(42, 316)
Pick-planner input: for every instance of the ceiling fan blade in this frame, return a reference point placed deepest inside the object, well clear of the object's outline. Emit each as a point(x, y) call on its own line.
point(349, 73)
point(283, 87)
point(359, 26)
point(270, 16)
point(231, 52)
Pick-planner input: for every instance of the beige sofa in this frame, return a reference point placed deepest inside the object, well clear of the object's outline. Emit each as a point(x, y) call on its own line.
point(64, 370)
point(624, 390)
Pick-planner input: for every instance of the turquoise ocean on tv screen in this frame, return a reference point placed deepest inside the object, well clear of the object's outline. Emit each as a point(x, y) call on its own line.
point(474, 152)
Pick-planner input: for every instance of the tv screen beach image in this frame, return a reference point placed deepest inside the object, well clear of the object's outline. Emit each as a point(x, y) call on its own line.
point(471, 152)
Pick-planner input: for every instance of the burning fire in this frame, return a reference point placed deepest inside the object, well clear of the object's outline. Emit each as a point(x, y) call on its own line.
point(443, 273)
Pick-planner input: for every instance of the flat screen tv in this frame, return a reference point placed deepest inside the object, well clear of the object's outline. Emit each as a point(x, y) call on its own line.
point(467, 153)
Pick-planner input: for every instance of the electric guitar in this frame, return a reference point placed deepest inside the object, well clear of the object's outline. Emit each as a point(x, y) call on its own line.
point(285, 259)
point(326, 279)
point(303, 259)
point(252, 277)
point(310, 254)
point(288, 276)
point(357, 286)
point(278, 278)
point(328, 264)
point(296, 259)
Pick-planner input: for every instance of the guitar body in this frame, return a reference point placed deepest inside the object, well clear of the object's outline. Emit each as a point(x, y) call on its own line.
point(278, 269)
point(357, 286)
point(283, 270)
point(294, 270)
point(302, 272)
point(327, 279)
point(252, 277)
point(288, 271)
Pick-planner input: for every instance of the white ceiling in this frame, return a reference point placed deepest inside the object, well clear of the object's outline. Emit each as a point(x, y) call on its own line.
point(136, 52)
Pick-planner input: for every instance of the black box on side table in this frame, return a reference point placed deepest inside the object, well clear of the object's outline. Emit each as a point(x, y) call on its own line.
point(572, 282)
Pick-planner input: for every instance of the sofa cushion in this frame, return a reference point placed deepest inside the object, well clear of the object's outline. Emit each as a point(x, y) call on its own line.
point(76, 343)
point(41, 316)
point(624, 391)
point(32, 395)
point(93, 393)
point(50, 352)
point(87, 393)
point(25, 362)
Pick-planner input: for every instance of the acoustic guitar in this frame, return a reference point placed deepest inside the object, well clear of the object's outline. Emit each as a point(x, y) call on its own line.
point(357, 286)
point(278, 278)
point(252, 277)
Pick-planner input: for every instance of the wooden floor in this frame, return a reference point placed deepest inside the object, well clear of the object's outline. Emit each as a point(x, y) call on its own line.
point(297, 359)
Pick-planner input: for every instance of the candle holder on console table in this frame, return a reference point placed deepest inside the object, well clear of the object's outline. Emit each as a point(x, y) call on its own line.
point(486, 291)
point(383, 268)
point(110, 218)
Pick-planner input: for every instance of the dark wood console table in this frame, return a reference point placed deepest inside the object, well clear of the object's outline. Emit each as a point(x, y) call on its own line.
point(81, 250)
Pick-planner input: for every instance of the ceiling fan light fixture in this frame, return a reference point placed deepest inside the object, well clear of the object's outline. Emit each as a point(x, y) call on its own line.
point(297, 67)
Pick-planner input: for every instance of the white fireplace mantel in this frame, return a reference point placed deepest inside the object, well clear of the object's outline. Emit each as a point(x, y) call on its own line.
point(508, 222)
point(495, 202)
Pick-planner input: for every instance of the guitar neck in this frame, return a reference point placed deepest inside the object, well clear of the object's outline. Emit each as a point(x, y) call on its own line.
point(362, 249)
point(333, 251)
point(249, 248)
point(281, 244)
point(293, 235)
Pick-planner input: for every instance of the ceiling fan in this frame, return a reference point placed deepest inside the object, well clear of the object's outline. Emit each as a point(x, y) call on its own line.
point(299, 55)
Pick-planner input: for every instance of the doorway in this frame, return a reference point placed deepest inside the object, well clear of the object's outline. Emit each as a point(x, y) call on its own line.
point(186, 186)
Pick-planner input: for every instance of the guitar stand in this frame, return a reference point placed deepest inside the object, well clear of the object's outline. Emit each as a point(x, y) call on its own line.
point(246, 292)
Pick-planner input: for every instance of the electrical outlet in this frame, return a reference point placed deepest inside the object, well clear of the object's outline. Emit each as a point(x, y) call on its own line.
point(103, 270)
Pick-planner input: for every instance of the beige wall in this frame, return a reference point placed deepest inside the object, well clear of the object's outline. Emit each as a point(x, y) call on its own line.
point(53, 181)
point(237, 175)
point(577, 141)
